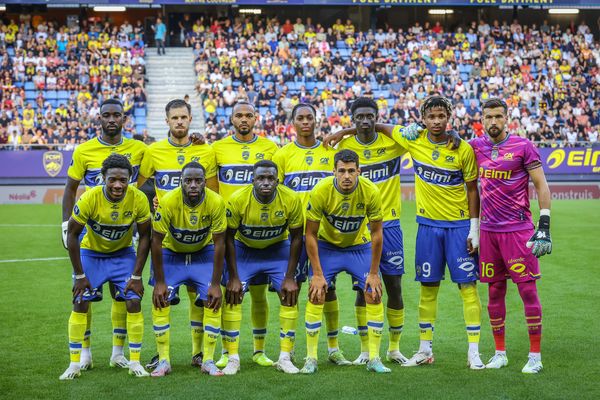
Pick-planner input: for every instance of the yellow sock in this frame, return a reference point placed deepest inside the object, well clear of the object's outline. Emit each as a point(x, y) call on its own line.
point(288, 316)
point(212, 328)
point(363, 332)
point(118, 316)
point(135, 331)
point(396, 322)
point(314, 314)
point(88, 328)
point(259, 310)
point(427, 314)
point(375, 326)
point(161, 321)
point(232, 320)
point(196, 318)
point(77, 323)
point(331, 311)
point(471, 311)
point(224, 341)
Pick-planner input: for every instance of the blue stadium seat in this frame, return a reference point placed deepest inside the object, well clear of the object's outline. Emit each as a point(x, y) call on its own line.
point(62, 95)
point(30, 95)
point(50, 95)
point(220, 111)
point(310, 86)
point(228, 111)
point(321, 85)
point(263, 110)
point(340, 44)
point(140, 120)
point(19, 84)
point(29, 85)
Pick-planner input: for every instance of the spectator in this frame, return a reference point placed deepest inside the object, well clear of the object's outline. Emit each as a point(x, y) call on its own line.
point(160, 35)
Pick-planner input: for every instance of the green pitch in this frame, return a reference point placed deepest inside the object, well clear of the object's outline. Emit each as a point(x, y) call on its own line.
point(35, 307)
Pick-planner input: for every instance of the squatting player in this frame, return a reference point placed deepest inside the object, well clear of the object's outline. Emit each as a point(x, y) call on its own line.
point(164, 161)
point(301, 165)
point(188, 247)
point(380, 158)
point(86, 164)
point(259, 218)
point(506, 162)
point(448, 219)
point(236, 156)
point(338, 239)
point(106, 255)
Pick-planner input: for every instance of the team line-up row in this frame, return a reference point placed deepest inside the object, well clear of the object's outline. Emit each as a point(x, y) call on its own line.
point(242, 214)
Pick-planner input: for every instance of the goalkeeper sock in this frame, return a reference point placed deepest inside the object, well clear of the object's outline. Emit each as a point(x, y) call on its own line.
point(497, 312)
point(533, 314)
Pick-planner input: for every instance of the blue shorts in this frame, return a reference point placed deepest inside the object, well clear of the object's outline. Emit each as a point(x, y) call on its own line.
point(114, 267)
point(270, 262)
point(354, 260)
point(392, 255)
point(194, 270)
point(436, 247)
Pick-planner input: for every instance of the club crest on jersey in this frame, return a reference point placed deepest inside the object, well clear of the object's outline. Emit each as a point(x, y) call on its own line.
point(245, 155)
point(367, 154)
point(264, 216)
point(309, 160)
point(494, 154)
point(114, 215)
point(180, 159)
point(435, 155)
point(193, 219)
point(53, 162)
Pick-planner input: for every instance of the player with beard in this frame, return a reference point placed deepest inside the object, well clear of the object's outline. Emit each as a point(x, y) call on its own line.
point(510, 244)
point(86, 165)
point(236, 156)
point(164, 161)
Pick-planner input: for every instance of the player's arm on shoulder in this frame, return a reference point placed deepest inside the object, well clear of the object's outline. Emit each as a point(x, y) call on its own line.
point(333, 139)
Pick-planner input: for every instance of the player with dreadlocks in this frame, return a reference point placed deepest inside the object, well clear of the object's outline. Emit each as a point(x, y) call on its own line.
point(448, 219)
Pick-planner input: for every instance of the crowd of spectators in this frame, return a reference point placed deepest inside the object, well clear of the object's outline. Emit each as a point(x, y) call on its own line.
point(53, 79)
point(548, 75)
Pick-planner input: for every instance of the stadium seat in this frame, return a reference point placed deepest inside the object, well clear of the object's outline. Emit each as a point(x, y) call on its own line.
point(50, 95)
point(62, 95)
point(30, 94)
point(29, 85)
point(139, 112)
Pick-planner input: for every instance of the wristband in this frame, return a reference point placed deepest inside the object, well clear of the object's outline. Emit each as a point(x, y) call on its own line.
point(77, 277)
point(544, 222)
point(474, 224)
point(135, 277)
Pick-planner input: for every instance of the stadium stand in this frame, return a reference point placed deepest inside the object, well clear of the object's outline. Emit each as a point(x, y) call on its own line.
point(53, 79)
point(548, 75)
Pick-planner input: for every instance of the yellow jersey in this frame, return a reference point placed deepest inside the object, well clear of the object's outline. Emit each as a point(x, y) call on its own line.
point(164, 160)
point(236, 159)
point(380, 163)
point(343, 217)
point(261, 225)
point(89, 156)
point(109, 223)
point(440, 176)
point(301, 168)
point(189, 229)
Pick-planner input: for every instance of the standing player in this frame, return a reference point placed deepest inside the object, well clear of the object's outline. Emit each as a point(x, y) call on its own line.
point(236, 156)
point(188, 247)
point(301, 165)
point(163, 161)
point(259, 217)
point(86, 164)
point(338, 239)
point(106, 255)
point(448, 218)
point(380, 163)
point(506, 162)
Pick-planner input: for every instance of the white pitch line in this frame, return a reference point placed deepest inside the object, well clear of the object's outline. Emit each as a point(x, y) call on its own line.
point(33, 259)
point(27, 225)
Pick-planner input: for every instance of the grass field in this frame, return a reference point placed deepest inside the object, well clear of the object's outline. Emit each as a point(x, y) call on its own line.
point(36, 303)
